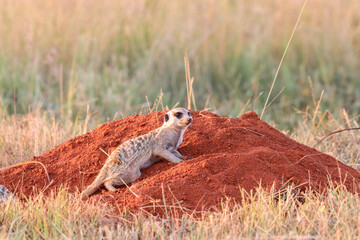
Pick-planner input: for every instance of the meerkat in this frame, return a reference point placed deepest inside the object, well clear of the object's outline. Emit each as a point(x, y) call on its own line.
point(5, 194)
point(125, 162)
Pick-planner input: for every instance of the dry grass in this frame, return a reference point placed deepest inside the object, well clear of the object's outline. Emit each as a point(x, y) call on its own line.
point(32, 134)
point(317, 123)
point(266, 214)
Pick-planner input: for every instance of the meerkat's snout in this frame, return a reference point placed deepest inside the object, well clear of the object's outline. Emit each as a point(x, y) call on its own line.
point(189, 118)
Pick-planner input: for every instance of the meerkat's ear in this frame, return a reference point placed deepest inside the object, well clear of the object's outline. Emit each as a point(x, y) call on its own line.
point(166, 117)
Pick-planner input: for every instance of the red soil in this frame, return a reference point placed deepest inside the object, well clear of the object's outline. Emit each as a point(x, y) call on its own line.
point(228, 154)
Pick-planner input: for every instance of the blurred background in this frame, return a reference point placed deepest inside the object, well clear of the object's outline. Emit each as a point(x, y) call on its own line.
point(68, 57)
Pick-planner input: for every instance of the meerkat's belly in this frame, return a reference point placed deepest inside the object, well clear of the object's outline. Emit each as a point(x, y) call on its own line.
point(152, 160)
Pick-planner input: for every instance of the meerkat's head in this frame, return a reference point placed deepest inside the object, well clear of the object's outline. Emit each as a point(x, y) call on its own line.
point(177, 118)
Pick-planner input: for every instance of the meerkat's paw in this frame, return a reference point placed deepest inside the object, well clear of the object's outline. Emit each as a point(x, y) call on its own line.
point(109, 186)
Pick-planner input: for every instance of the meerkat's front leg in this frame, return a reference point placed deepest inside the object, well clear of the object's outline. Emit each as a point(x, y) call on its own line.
point(178, 154)
point(167, 155)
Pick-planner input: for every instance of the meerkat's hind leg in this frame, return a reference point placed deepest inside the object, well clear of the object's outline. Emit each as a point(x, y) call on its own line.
point(109, 185)
point(138, 173)
point(91, 189)
point(124, 180)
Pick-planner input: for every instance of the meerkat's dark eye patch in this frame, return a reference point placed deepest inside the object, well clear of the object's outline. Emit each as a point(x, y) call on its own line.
point(166, 117)
point(178, 115)
point(188, 113)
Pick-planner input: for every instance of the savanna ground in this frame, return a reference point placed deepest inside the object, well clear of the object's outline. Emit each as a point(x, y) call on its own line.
point(66, 66)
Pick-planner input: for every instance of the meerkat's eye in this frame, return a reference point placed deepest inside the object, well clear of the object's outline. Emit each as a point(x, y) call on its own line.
point(188, 113)
point(178, 115)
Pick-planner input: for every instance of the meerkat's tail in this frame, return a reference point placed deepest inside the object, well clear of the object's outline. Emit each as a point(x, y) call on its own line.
point(92, 188)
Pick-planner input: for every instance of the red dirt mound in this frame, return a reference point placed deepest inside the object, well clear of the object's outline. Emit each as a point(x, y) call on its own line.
point(227, 154)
